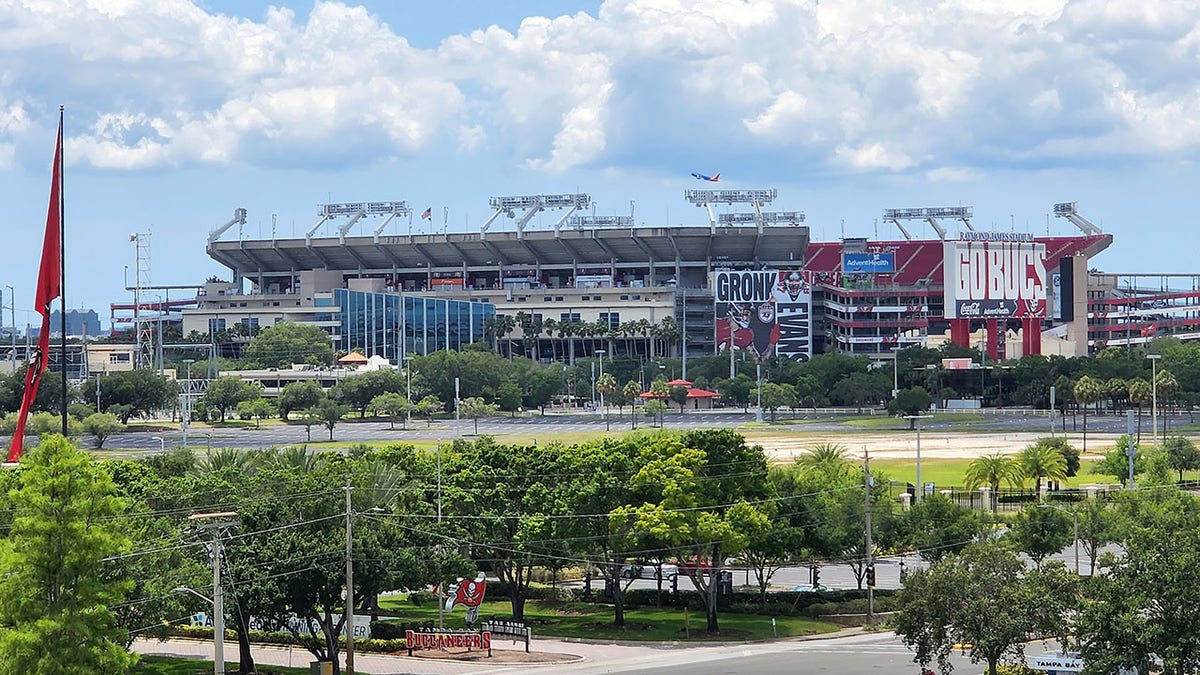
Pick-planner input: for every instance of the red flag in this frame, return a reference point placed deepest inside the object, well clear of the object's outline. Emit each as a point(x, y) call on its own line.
point(49, 287)
point(1149, 330)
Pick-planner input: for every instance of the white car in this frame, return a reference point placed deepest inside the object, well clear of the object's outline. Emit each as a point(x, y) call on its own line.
point(649, 570)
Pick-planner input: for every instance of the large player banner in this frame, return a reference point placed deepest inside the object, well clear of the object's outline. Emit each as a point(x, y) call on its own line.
point(992, 279)
point(764, 312)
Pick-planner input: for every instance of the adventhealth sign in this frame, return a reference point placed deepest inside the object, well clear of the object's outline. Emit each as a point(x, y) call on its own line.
point(869, 263)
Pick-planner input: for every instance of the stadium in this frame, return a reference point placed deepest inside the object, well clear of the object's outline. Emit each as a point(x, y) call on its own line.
point(749, 278)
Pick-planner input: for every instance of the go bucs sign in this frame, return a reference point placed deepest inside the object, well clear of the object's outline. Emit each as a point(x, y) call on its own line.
point(995, 275)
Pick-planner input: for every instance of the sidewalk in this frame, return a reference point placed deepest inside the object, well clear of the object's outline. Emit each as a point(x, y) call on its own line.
point(573, 653)
point(579, 657)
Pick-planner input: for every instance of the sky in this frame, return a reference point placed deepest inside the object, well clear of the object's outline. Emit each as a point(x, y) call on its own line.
point(178, 112)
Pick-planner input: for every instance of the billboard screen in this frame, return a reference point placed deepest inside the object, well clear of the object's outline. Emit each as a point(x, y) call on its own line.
point(995, 279)
point(868, 263)
point(764, 312)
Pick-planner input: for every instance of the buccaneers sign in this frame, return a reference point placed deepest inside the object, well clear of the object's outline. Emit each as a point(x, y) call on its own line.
point(994, 279)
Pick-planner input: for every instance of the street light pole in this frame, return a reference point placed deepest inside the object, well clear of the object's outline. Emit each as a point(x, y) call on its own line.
point(409, 407)
point(920, 486)
point(600, 354)
point(895, 371)
point(12, 306)
point(1075, 528)
point(1154, 393)
point(349, 583)
point(758, 416)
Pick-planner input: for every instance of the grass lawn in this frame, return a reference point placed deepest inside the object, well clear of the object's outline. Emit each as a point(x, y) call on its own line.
point(644, 623)
point(885, 422)
point(175, 665)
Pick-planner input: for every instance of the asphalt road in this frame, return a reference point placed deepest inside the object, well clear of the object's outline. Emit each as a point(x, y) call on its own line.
point(846, 655)
point(352, 431)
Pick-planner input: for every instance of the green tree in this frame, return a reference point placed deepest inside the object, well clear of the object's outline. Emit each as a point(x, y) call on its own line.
point(298, 396)
point(1099, 526)
point(224, 393)
point(937, 527)
point(984, 599)
point(1116, 463)
point(429, 406)
point(1040, 531)
point(289, 342)
point(328, 412)
point(737, 391)
point(475, 407)
point(1182, 455)
point(358, 390)
point(256, 408)
point(775, 396)
point(55, 598)
point(142, 391)
point(508, 397)
point(861, 388)
point(1086, 392)
point(679, 394)
point(100, 426)
point(655, 409)
point(910, 402)
point(1143, 610)
point(390, 406)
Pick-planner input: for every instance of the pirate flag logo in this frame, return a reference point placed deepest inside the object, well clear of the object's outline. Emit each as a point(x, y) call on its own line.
point(469, 594)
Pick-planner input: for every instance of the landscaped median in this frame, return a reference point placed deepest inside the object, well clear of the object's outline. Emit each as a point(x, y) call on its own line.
point(679, 619)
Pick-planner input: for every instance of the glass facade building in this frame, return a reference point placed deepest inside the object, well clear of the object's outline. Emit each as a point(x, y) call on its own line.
point(394, 325)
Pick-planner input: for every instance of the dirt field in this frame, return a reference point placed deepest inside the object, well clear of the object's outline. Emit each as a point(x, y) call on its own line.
point(934, 445)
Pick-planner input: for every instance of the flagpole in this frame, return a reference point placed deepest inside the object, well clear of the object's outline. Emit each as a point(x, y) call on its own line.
point(62, 270)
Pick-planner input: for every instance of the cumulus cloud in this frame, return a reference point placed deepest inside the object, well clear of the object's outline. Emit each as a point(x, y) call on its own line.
point(866, 86)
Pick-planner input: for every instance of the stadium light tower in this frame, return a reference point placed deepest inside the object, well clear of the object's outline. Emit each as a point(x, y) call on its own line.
point(755, 198)
point(931, 215)
point(356, 211)
point(532, 205)
point(788, 217)
point(580, 222)
point(1069, 211)
point(239, 218)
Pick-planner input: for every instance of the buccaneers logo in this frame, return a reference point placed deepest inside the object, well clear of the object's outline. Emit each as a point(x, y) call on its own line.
point(469, 594)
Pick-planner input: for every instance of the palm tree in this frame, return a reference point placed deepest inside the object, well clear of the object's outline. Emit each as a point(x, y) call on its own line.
point(1039, 460)
point(1140, 393)
point(1167, 387)
point(991, 470)
point(1087, 391)
point(550, 326)
point(826, 458)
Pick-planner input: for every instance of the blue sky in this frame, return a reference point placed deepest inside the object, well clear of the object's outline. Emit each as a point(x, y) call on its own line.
point(180, 111)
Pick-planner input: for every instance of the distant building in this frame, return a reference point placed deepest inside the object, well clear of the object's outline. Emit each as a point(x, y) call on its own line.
point(79, 323)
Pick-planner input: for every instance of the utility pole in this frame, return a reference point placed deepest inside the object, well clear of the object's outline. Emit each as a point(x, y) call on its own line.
point(870, 557)
point(1130, 449)
point(457, 411)
point(217, 523)
point(1053, 391)
point(349, 582)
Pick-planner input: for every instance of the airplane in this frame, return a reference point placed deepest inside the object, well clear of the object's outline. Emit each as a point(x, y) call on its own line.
point(711, 179)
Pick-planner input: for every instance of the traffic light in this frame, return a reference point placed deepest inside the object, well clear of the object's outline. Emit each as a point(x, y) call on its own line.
point(816, 576)
point(871, 575)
